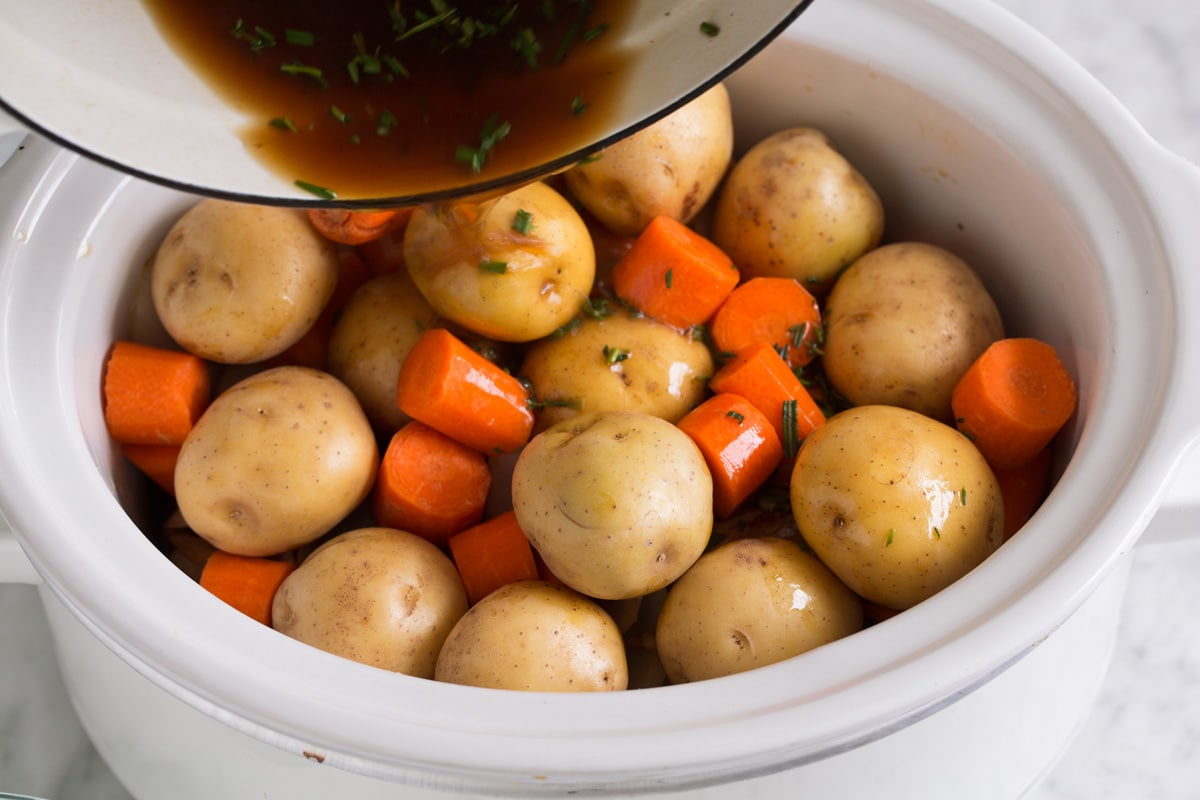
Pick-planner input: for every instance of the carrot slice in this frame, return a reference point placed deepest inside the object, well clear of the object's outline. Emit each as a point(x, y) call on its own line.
point(153, 395)
point(674, 274)
point(1012, 400)
point(429, 484)
point(760, 375)
point(156, 461)
point(455, 390)
point(492, 554)
point(350, 227)
point(738, 442)
point(1023, 489)
point(248, 583)
point(774, 311)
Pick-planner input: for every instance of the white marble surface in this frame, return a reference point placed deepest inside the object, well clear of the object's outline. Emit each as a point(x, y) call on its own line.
point(1142, 741)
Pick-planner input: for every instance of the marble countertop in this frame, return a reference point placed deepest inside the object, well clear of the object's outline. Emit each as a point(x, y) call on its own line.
point(1141, 741)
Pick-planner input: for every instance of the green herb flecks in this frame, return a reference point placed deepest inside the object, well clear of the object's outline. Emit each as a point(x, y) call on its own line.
point(962, 495)
point(257, 37)
point(578, 106)
point(284, 124)
point(340, 115)
point(890, 537)
point(304, 70)
point(615, 355)
point(475, 157)
point(299, 38)
point(319, 191)
point(493, 266)
point(710, 29)
point(669, 277)
point(735, 416)
point(791, 429)
point(522, 222)
point(385, 122)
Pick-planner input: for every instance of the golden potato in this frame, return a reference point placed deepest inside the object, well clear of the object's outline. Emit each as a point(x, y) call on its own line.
point(238, 283)
point(671, 167)
point(897, 504)
point(514, 268)
point(371, 337)
point(538, 637)
point(618, 504)
point(380, 596)
point(902, 325)
point(749, 603)
point(275, 461)
point(793, 207)
point(617, 362)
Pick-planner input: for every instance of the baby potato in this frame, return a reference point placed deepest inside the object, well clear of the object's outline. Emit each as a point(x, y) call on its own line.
point(237, 283)
point(617, 362)
point(370, 339)
point(749, 603)
point(902, 325)
point(275, 461)
point(617, 504)
point(537, 637)
point(379, 596)
point(794, 207)
point(513, 268)
point(897, 504)
point(671, 167)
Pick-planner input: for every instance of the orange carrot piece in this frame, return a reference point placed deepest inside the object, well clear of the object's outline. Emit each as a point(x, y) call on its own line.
point(350, 227)
point(153, 395)
point(247, 583)
point(156, 461)
point(674, 274)
point(775, 311)
point(455, 390)
point(1013, 400)
point(738, 442)
point(492, 554)
point(1023, 489)
point(429, 484)
point(760, 375)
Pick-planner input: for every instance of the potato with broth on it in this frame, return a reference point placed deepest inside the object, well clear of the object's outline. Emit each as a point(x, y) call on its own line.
point(671, 167)
point(749, 603)
point(237, 283)
point(538, 637)
point(617, 362)
point(379, 596)
point(902, 325)
point(794, 207)
point(897, 504)
point(513, 268)
point(617, 504)
point(276, 461)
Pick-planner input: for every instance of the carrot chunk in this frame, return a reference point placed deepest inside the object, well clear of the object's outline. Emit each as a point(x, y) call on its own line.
point(430, 484)
point(774, 311)
point(153, 395)
point(248, 583)
point(350, 227)
point(492, 554)
point(455, 390)
point(1023, 489)
point(760, 375)
point(156, 462)
point(739, 444)
point(1012, 400)
point(674, 274)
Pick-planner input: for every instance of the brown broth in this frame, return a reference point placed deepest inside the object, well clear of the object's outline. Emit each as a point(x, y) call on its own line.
point(399, 135)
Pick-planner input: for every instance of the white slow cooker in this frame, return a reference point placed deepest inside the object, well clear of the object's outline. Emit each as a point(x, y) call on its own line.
point(980, 136)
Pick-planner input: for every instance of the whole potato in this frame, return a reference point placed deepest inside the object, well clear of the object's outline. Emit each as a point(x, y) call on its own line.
point(897, 504)
point(749, 603)
point(237, 283)
point(379, 596)
point(902, 325)
point(275, 461)
point(793, 207)
point(370, 340)
point(669, 168)
point(538, 637)
point(617, 362)
point(514, 268)
point(618, 504)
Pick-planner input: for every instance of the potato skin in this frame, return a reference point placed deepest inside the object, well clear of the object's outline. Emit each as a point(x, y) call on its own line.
point(547, 272)
point(618, 504)
point(896, 504)
point(275, 461)
point(237, 283)
point(793, 207)
point(379, 596)
point(902, 325)
point(671, 167)
point(538, 637)
point(664, 374)
point(749, 603)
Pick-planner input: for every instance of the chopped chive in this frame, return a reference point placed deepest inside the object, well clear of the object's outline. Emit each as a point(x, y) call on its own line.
point(615, 355)
point(710, 29)
point(493, 266)
point(596, 309)
point(338, 114)
point(258, 38)
point(283, 123)
point(429, 22)
point(735, 416)
point(527, 46)
point(963, 495)
point(594, 157)
point(476, 157)
point(297, 68)
point(936, 533)
point(395, 65)
point(319, 191)
point(385, 122)
point(522, 222)
point(891, 535)
point(594, 32)
point(578, 106)
point(302, 38)
point(791, 429)
point(798, 333)
point(669, 276)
